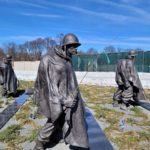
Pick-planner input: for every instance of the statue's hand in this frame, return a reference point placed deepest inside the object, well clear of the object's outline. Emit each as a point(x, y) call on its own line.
point(69, 102)
point(127, 85)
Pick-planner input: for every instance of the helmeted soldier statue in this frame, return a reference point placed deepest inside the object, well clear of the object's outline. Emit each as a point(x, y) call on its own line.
point(58, 97)
point(1, 78)
point(9, 79)
point(129, 84)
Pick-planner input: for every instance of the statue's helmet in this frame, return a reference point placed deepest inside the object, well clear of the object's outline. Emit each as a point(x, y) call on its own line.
point(70, 39)
point(8, 57)
point(132, 53)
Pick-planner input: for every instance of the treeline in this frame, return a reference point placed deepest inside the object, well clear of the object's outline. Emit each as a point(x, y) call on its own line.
point(33, 50)
point(29, 51)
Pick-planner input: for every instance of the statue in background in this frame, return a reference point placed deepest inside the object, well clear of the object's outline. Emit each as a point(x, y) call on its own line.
point(129, 84)
point(58, 97)
point(1, 78)
point(8, 78)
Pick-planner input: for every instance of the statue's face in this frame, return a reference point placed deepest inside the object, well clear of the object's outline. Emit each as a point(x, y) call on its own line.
point(133, 58)
point(71, 50)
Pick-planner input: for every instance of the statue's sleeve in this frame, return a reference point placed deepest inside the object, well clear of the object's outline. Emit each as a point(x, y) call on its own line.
point(124, 74)
point(5, 75)
point(133, 73)
point(53, 80)
point(39, 84)
point(134, 78)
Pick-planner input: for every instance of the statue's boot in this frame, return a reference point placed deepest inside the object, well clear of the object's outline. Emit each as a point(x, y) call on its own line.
point(39, 145)
point(123, 106)
point(115, 103)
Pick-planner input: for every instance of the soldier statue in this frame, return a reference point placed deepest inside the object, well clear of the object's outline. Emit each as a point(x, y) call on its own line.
point(1, 78)
point(8, 78)
point(58, 97)
point(129, 84)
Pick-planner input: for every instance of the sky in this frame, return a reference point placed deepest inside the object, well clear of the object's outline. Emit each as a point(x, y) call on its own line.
point(97, 23)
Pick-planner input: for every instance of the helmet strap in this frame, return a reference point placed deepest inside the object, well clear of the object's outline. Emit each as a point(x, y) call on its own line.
point(65, 50)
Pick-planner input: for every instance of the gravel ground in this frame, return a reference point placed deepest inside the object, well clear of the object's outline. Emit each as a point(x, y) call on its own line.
point(26, 131)
point(27, 128)
point(61, 146)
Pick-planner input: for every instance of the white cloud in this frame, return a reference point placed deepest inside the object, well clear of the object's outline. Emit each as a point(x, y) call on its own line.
point(141, 14)
point(127, 7)
point(42, 15)
point(117, 41)
point(25, 3)
point(116, 18)
point(134, 2)
point(108, 16)
point(32, 4)
point(69, 30)
point(144, 39)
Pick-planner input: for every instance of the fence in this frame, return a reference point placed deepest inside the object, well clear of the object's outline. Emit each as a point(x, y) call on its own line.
point(108, 61)
point(103, 62)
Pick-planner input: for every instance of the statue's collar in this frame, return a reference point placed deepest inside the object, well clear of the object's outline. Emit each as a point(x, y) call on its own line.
point(59, 51)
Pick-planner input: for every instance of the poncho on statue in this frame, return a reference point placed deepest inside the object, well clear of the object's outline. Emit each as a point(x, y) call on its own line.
point(8, 77)
point(127, 75)
point(56, 84)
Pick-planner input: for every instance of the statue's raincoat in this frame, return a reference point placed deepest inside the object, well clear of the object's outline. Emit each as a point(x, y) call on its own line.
point(127, 76)
point(8, 77)
point(56, 83)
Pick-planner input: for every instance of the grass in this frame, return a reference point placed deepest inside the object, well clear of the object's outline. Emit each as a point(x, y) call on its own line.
point(23, 115)
point(138, 112)
point(131, 121)
point(11, 137)
point(131, 139)
point(10, 133)
point(111, 116)
point(147, 92)
point(32, 137)
point(97, 94)
point(25, 84)
point(1, 103)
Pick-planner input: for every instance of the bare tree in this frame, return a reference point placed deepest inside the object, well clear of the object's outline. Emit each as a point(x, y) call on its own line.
point(110, 49)
point(10, 48)
point(49, 43)
point(2, 54)
point(92, 51)
point(81, 52)
point(59, 38)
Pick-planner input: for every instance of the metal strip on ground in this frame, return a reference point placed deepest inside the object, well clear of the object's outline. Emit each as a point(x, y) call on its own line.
point(8, 112)
point(145, 105)
point(97, 138)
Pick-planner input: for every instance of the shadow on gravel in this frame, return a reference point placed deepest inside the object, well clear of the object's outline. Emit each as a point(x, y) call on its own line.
point(77, 148)
point(145, 105)
point(19, 92)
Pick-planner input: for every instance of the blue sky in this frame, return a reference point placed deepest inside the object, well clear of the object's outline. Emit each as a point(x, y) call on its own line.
point(97, 23)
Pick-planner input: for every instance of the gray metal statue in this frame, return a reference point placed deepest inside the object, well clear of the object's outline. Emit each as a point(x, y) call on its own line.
point(127, 79)
point(58, 97)
point(1, 78)
point(8, 77)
